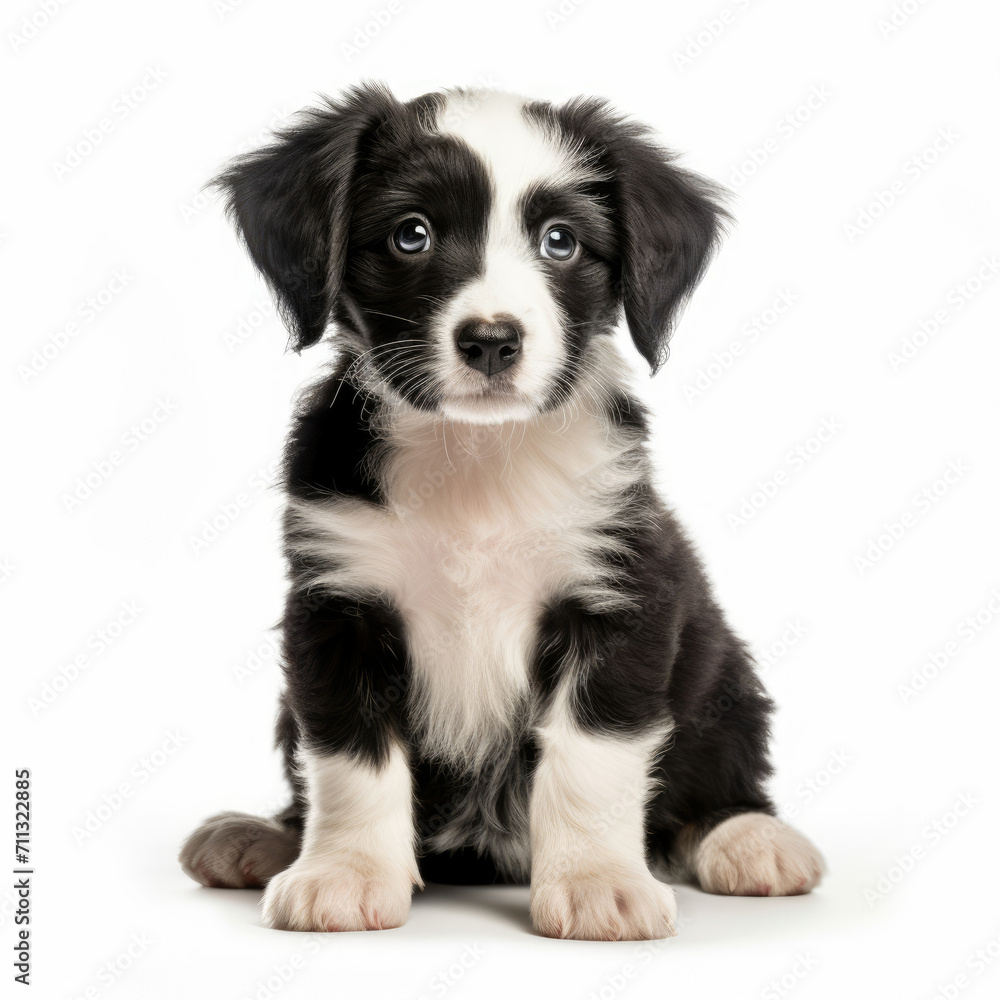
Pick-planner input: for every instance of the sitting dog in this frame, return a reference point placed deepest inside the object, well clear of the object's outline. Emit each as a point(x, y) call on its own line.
point(502, 659)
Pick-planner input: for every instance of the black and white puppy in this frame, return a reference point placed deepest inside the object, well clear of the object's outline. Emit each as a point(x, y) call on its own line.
point(503, 661)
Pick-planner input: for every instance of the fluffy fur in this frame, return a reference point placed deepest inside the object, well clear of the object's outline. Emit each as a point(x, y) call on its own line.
point(502, 658)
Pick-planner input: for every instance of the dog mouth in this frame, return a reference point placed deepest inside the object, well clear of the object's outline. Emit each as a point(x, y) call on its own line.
point(469, 386)
point(494, 402)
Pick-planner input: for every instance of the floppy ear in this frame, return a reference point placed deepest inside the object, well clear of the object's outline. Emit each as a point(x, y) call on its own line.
point(670, 225)
point(290, 202)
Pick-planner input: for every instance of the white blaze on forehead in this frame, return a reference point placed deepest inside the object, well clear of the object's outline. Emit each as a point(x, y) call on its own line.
point(519, 154)
point(518, 151)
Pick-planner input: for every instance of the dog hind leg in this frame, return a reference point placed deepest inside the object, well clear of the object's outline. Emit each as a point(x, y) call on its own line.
point(238, 851)
point(750, 854)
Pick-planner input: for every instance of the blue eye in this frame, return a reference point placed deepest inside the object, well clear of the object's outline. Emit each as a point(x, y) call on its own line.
point(412, 236)
point(558, 244)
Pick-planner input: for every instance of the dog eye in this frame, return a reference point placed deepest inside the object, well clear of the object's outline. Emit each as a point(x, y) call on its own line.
point(412, 236)
point(558, 244)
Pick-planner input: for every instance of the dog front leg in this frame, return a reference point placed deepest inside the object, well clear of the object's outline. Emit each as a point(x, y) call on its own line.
point(357, 866)
point(589, 875)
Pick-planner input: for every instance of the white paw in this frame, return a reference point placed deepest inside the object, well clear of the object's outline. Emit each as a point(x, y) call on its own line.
point(353, 894)
point(603, 905)
point(754, 854)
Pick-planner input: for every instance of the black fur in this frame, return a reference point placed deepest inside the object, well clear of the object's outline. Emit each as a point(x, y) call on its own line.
point(290, 202)
point(669, 220)
point(315, 210)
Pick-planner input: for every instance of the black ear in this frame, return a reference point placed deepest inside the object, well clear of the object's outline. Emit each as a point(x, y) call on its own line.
point(290, 202)
point(670, 225)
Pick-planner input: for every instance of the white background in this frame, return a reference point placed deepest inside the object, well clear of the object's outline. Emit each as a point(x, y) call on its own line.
point(185, 341)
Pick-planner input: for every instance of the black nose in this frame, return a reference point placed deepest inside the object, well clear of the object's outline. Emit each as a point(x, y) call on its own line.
point(489, 347)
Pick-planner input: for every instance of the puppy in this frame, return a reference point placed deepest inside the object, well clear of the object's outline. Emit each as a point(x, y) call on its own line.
point(502, 659)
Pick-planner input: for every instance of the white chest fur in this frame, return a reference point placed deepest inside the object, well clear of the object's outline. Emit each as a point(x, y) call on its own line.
point(479, 528)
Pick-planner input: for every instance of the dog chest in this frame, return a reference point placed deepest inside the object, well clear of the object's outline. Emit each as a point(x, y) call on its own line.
point(474, 535)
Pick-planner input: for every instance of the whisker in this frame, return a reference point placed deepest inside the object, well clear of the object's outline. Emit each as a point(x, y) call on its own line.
point(376, 312)
point(362, 362)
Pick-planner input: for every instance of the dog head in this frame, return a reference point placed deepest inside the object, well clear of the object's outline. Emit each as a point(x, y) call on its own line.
point(472, 246)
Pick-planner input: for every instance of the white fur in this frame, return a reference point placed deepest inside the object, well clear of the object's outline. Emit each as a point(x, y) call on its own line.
point(518, 155)
point(468, 545)
point(754, 854)
point(589, 876)
point(357, 867)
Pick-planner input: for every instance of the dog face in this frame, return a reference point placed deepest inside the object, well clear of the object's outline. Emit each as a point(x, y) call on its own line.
point(471, 246)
